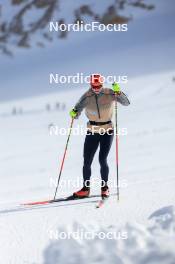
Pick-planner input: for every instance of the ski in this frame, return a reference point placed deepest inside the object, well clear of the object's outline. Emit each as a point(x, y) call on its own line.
point(101, 202)
point(48, 201)
point(69, 198)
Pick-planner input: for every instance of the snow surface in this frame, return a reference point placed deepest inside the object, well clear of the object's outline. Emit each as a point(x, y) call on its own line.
point(30, 157)
point(143, 244)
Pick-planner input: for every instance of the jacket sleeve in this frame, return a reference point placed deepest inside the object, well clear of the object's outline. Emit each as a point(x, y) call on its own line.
point(81, 104)
point(123, 99)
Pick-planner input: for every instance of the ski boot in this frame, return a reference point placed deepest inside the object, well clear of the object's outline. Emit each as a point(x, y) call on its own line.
point(105, 192)
point(83, 193)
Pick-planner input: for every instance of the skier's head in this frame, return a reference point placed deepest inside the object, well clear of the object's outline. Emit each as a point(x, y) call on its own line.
point(96, 82)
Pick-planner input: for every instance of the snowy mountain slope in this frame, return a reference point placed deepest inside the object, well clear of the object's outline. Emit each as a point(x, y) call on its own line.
point(147, 47)
point(30, 159)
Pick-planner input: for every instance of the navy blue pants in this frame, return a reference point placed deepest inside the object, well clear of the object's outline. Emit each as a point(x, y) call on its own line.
point(91, 144)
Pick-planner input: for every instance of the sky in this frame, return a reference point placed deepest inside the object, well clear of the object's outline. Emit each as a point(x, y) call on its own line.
point(147, 47)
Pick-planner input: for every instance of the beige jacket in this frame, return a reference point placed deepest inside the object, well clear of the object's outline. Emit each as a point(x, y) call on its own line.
point(99, 107)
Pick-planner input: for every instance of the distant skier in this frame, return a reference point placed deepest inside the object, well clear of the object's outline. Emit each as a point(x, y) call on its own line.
point(98, 104)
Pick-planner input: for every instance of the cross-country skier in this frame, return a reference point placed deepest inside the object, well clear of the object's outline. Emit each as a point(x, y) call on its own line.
point(98, 104)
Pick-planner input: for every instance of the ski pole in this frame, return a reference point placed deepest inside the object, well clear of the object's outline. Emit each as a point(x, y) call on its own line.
point(65, 151)
point(116, 89)
point(117, 149)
